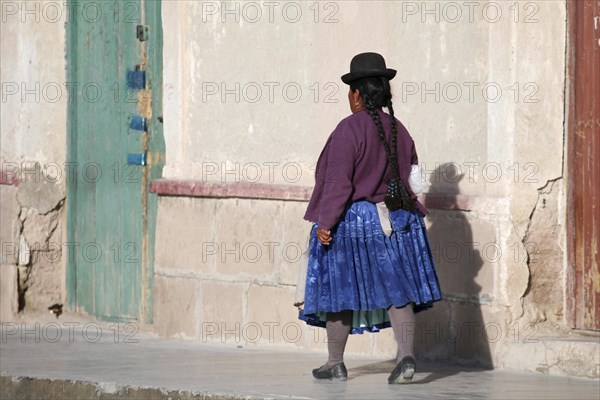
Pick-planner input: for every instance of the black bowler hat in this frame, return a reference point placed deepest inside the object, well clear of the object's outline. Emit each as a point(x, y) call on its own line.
point(366, 65)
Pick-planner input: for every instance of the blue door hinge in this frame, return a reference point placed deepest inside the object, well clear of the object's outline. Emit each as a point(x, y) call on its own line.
point(136, 79)
point(138, 123)
point(136, 158)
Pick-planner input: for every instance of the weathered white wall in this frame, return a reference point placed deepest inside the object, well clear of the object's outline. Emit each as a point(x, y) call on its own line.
point(34, 95)
point(216, 67)
point(33, 136)
point(480, 86)
point(451, 57)
point(461, 87)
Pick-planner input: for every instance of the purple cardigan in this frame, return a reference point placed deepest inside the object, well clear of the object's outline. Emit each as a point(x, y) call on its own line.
point(353, 166)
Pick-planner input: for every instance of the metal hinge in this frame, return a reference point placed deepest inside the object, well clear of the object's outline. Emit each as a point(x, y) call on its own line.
point(141, 33)
point(136, 79)
point(138, 123)
point(136, 158)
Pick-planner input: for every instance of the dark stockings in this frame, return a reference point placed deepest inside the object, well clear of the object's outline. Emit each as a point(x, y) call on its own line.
point(403, 323)
point(338, 328)
point(339, 325)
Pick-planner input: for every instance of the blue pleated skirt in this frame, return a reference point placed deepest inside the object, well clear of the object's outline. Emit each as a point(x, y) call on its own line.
point(366, 271)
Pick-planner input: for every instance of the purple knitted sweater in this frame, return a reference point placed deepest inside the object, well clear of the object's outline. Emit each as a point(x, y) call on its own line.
point(353, 166)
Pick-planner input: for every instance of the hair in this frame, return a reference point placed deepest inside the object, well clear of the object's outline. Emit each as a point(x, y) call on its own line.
point(376, 94)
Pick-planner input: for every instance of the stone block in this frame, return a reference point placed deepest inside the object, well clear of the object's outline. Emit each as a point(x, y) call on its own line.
point(466, 252)
point(514, 277)
point(543, 251)
point(486, 257)
point(271, 308)
point(315, 338)
point(39, 228)
point(295, 240)
point(175, 310)
point(184, 233)
point(523, 356)
point(10, 224)
point(384, 344)
point(573, 358)
point(39, 193)
point(9, 298)
point(45, 282)
point(473, 334)
point(248, 237)
point(222, 312)
point(432, 337)
point(360, 344)
point(559, 356)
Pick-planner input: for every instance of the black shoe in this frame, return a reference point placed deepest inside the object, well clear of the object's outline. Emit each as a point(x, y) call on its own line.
point(338, 372)
point(404, 371)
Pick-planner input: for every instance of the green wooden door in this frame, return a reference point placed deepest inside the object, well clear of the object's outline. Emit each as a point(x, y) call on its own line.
point(115, 149)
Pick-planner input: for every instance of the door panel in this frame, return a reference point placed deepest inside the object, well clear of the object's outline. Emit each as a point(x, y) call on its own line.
point(583, 225)
point(107, 197)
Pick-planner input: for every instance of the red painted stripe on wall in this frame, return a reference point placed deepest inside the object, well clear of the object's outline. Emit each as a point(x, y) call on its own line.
point(187, 188)
point(8, 179)
point(265, 191)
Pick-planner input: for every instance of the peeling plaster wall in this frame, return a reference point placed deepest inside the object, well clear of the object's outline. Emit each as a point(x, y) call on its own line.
point(32, 153)
point(538, 134)
point(544, 300)
point(41, 272)
point(483, 96)
point(253, 98)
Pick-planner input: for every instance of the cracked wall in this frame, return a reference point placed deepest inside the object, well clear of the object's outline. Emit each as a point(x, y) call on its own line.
point(508, 151)
point(41, 276)
point(34, 141)
point(32, 244)
point(509, 281)
point(544, 299)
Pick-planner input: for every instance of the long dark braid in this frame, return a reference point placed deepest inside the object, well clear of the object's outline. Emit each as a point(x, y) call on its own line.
point(376, 94)
point(405, 201)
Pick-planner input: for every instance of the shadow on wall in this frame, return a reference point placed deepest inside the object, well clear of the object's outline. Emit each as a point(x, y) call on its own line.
point(454, 330)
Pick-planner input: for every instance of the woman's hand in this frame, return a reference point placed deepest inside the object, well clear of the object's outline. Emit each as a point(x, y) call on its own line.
point(324, 236)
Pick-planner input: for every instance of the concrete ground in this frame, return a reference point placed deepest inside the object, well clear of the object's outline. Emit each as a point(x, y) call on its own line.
point(56, 359)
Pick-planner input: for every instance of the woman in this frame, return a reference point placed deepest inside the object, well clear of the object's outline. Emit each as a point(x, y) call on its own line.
point(370, 266)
